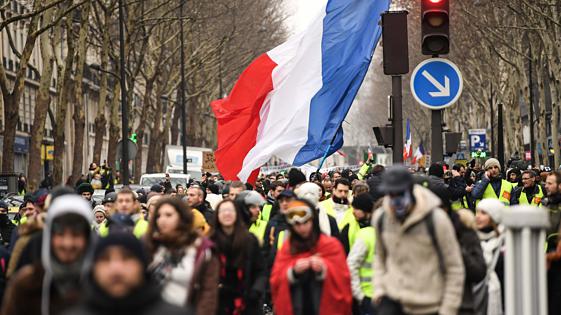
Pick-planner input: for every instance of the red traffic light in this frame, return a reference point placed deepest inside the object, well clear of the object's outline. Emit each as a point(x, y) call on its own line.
point(435, 22)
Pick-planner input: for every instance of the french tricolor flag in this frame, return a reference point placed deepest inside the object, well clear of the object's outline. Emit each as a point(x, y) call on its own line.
point(291, 101)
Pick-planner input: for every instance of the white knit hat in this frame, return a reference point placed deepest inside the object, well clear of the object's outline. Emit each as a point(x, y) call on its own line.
point(493, 207)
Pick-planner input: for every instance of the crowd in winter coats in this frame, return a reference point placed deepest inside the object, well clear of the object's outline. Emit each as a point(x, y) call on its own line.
point(373, 242)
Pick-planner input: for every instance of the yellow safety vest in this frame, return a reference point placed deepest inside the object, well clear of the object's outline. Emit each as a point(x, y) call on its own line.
point(461, 203)
point(281, 239)
point(348, 219)
point(368, 236)
point(258, 229)
point(140, 228)
point(266, 212)
point(536, 201)
point(504, 197)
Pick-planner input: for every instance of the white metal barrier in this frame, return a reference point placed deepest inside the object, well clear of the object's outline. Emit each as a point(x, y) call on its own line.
point(525, 267)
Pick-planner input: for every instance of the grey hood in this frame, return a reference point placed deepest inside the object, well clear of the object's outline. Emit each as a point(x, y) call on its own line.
point(66, 204)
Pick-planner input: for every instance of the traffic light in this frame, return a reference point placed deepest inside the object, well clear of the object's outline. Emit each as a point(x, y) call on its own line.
point(435, 20)
point(133, 138)
point(395, 41)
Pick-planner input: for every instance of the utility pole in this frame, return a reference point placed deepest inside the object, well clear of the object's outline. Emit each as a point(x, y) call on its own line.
point(397, 123)
point(124, 103)
point(183, 105)
point(437, 147)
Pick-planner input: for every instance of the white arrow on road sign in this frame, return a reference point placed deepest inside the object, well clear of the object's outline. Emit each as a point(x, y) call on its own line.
point(436, 83)
point(443, 91)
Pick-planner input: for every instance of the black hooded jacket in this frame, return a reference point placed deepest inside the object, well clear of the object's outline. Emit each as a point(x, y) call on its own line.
point(146, 300)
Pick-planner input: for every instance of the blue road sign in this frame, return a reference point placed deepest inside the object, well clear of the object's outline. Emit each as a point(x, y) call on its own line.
point(477, 139)
point(436, 83)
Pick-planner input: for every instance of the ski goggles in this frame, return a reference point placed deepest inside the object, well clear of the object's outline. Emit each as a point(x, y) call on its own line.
point(298, 212)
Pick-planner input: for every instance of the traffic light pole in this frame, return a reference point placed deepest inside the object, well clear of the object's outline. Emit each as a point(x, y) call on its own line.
point(397, 122)
point(437, 154)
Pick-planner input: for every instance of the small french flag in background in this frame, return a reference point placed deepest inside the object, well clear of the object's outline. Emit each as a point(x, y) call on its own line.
point(408, 148)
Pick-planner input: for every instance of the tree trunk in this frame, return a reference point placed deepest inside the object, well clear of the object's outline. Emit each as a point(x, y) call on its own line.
point(142, 125)
point(153, 157)
point(164, 140)
point(114, 130)
point(11, 118)
point(175, 124)
point(100, 119)
point(555, 135)
point(62, 105)
point(13, 98)
point(42, 103)
point(79, 115)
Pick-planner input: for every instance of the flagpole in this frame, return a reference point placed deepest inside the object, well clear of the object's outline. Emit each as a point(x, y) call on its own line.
point(327, 151)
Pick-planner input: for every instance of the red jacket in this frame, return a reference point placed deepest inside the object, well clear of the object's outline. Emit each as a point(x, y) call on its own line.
point(336, 298)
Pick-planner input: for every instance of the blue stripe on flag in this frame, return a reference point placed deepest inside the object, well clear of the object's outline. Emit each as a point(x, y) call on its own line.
point(350, 35)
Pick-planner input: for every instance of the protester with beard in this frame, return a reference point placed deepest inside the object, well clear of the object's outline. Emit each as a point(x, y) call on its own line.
point(310, 275)
point(184, 263)
point(242, 272)
point(361, 256)
point(338, 207)
point(492, 185)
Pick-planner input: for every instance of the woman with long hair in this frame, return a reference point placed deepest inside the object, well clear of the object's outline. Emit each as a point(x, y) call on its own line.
point(242, 271)
point(310, 275)
point(183, 262)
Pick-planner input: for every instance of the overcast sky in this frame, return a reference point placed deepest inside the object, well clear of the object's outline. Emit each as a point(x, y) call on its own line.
point(300, 12)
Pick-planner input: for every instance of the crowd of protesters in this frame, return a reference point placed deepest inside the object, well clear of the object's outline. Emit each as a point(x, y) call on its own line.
point(378, 241)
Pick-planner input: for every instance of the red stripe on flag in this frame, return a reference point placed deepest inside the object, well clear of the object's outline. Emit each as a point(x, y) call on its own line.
point(238, 117)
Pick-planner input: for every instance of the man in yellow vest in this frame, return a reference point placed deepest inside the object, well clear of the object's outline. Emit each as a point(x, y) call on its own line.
point(126, 205)
point(492, 185)
point(361, 256)
point(270, 208)
point(530, 193)
point(338, 207)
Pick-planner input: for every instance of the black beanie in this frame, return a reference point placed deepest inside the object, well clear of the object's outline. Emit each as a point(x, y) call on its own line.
point(437, 170)
point(125, 240)
point(363, 202)
point(295, 177)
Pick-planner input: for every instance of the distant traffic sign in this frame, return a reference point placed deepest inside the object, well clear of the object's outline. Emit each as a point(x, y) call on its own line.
point(436, 83)
point(477, 139)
